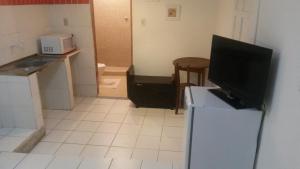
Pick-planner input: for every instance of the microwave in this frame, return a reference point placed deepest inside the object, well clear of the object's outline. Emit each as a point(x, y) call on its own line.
point(57, 43)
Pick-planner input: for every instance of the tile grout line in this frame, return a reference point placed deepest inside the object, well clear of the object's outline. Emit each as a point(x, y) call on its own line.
point(139, 135)
point(84, 145)
point(111, 162)
point(118, 133)
point(122, 123)
point(81, 160)
point(64, 142)
point(135, 144)
point(20, 161)
point(110, 146)
point(94, 133)
point(57, 122)
point(52, 159)
point(161, 139)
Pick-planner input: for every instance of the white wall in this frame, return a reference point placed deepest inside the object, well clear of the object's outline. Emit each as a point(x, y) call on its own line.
point(20, 27)
point(79, 23)
point(279, 27)
point(158, 42)
point(20, 106)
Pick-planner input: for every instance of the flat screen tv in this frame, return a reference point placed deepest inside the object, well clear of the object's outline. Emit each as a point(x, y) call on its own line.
point(240, 70)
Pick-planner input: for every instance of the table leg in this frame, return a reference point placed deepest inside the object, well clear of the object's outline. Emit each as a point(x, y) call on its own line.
point(203, 77)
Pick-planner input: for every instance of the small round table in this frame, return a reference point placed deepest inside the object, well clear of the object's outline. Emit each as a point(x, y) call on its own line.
point(193, 64)
point(188, 64)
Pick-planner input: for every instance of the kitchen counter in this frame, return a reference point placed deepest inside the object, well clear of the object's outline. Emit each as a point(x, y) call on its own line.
point(30, 84)
point(34, 63)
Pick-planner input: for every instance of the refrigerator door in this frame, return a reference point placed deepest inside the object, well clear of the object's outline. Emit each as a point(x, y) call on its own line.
point(189, 112)
point(219, 136)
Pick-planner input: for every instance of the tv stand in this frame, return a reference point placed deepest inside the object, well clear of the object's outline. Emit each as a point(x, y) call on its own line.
point(233, 101)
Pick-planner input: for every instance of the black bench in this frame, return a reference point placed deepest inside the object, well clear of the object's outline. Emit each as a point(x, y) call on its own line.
point(151, 91)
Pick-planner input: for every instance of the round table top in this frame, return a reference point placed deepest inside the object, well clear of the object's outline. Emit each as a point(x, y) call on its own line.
point(192, 62)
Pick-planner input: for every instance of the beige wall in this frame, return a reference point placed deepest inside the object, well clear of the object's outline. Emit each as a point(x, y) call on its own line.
point(225, 18)
point(113, 32)
point(20, 28)
point(79, 23)
point(22, 25)
point(157, 42)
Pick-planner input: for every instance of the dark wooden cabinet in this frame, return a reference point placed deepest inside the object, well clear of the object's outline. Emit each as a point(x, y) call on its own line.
point(151, 91)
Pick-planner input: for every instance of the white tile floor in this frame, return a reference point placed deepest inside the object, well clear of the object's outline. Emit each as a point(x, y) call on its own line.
point(11, 138)
point(42, 161)
point(108, 128)
point(10, 160)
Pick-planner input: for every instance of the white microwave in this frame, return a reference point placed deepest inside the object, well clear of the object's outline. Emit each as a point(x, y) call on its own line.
point(57, 43)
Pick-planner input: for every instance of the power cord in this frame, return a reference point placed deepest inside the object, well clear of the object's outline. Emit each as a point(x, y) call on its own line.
point(259, 137)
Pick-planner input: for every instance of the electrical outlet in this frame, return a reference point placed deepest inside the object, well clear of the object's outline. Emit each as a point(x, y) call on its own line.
point(66, 22)
point(14, 41)
point(143, 22)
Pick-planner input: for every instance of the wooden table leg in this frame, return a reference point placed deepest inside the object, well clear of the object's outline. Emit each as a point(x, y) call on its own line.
point(177, 81)
point(199, 78)
point(203, 77)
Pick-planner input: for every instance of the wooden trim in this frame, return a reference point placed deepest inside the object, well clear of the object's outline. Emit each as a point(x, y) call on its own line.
point(131, 20)
point(92, 8)
point(95, 43)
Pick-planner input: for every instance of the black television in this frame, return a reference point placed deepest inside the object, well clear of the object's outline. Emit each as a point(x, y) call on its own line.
point(240, 70)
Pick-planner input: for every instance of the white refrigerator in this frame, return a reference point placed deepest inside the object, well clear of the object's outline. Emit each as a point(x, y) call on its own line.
point(218, 135)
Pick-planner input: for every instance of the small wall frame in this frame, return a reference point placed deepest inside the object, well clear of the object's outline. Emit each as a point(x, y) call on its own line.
point(173, 12)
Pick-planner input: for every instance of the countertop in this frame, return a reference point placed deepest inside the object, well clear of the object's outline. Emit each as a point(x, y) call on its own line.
point(33, 63)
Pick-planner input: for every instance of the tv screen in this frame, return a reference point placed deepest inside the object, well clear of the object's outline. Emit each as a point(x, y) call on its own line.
point(241, 70)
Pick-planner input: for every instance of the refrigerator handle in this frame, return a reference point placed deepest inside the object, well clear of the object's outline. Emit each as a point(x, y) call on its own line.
point(188, 97)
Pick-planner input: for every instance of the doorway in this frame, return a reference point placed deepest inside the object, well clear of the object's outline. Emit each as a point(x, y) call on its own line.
point(113, 36)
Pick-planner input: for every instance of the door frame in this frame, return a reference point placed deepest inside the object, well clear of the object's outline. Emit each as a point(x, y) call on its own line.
point(92, 7)
point(95, 43)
